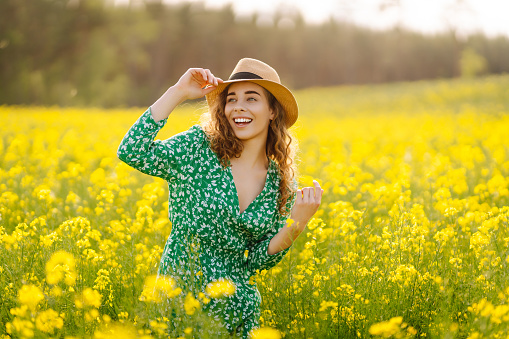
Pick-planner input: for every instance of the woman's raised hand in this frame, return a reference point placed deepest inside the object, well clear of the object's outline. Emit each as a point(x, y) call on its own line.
point(196, 83)
point(306, 203)
point(193, 84)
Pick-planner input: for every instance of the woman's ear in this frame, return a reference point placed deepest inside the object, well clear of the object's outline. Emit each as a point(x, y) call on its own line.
point(272, 115)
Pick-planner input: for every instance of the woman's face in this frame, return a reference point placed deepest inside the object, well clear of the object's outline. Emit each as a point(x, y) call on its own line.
point(247, 110)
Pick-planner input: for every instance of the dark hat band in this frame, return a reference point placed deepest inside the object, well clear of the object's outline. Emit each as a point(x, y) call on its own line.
point(244, 75)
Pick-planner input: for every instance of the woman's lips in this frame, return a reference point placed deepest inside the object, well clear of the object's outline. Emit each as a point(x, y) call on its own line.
point(241, 122)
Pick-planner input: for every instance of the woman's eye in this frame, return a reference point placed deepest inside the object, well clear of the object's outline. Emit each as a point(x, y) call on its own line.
point(230, 100)
point(251, 99)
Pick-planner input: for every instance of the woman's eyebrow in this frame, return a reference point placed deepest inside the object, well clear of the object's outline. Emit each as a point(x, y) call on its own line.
point(247, 92)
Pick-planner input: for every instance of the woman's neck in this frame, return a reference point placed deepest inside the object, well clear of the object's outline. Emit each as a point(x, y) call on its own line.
point(253, 155)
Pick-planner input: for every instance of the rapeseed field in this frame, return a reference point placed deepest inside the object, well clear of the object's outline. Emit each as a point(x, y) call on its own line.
point(411, 239)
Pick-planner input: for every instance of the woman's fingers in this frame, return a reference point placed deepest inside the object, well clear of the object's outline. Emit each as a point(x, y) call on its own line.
point(307, 195)
point(318, 190)
point(211, 79)
point(298, 198)
point(203, 73)
point(199, 82)
point(310, 195)
point(307, 202)
point(201, 76)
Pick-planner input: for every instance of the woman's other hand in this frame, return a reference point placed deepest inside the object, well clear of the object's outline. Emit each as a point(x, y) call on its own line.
point(307, 202)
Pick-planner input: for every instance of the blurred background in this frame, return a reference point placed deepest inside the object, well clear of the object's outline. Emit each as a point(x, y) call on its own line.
point(122, 53)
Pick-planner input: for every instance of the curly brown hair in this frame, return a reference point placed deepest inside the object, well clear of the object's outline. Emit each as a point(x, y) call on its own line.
point(226, 145)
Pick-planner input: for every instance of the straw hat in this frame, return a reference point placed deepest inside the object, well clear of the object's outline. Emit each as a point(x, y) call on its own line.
point(260, 73)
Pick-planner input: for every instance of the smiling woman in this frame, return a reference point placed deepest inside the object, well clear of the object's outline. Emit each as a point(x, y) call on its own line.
point(231, 185)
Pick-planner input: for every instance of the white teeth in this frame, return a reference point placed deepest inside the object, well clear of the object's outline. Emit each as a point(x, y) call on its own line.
point(242, 120)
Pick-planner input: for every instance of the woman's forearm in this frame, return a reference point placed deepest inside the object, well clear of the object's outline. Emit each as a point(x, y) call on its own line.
point(162, 108)
point(286, 236)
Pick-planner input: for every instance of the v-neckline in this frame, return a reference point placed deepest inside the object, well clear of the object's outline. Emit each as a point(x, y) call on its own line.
point(236, 193)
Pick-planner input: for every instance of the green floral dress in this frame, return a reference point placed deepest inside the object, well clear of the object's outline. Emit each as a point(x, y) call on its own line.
point(206, 221)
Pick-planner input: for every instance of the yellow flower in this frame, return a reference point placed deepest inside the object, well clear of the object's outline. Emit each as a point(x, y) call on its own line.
point(203, 298)
point(264, 333)
point(103, 280)
point(21, 326)
point(92, 315)
point(289, 222)
point(89, 297)
point(386, 329)
point(191, 304)
point(20, 311)
point(155, 289)
point(326, 304)
point(49, 320)
point(61, 266)
point(56, 291)
point(158, 327)
point(220, 288)
point(30, 296)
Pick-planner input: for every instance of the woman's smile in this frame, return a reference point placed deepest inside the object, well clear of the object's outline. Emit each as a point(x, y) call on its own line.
point(242, 122)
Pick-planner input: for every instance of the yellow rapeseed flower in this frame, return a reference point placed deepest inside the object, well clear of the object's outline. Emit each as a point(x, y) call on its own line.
point(264, 333)
point(49, 320)
point(21, 326)
point(190, 304)
point(203, 298)
point(155, 289)
point(158, 327)
point(88, 297)
point(220, 288)
point(386, 329)
point(326, 304)
point(31, 296)
point(61, 266)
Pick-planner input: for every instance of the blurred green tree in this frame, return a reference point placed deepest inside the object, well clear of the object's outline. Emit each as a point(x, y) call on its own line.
point(472, 63)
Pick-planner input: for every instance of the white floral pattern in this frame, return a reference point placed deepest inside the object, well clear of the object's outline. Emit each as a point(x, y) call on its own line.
point(209, 235)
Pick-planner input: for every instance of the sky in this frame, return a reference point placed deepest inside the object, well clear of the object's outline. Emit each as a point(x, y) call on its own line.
point(428, 16)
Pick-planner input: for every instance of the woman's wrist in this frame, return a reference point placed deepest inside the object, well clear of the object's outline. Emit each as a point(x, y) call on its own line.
point(179, 93)
point(299, 221)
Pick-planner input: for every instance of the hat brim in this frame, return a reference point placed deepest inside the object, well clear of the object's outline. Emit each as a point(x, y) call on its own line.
point(280, 92)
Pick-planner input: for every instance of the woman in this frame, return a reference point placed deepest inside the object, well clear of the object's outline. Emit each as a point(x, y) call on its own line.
point(231, 185)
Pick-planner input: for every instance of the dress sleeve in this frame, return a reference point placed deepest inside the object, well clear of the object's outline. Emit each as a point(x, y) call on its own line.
point(258, 258)
point(159, 158)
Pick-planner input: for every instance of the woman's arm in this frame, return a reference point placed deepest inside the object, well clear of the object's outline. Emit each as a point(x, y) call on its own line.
point(140, 150)
point(306, 204)
point(270, 250)
point(193, 84)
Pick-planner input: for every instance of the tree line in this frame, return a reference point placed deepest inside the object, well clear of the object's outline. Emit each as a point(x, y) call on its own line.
point(91, 53)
